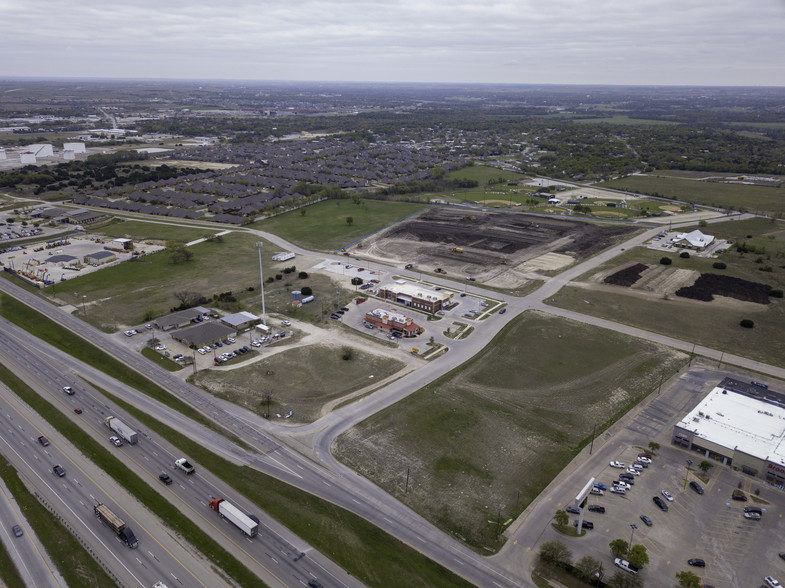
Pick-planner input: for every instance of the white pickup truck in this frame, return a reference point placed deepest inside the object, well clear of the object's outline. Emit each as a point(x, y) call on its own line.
point(183, 464)
point(625, 565)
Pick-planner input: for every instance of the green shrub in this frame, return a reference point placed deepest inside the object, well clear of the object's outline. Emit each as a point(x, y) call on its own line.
point(684, 254)
point(719, 265)
point(747, 323)
point(775, 293)
point(666, 260)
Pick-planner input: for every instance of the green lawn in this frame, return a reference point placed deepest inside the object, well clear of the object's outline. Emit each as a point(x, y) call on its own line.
point(124, 294)
point(764, 199)
point(508, 420)
point(301, 379)
point(483, 173)
point(158, 231)
point(324, 226)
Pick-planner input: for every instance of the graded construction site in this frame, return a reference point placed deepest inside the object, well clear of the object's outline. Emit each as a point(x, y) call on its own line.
point(500, 249)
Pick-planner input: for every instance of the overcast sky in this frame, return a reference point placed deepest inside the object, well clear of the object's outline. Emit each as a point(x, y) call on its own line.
point(683, 42)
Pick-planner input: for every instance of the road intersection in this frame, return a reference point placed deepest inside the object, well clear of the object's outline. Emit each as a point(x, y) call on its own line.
point(282, 448)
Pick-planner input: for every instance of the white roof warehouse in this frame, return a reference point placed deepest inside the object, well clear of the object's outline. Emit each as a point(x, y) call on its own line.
point(741, 425)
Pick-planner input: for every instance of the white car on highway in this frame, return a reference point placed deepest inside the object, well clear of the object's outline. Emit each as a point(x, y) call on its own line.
point(617, 464)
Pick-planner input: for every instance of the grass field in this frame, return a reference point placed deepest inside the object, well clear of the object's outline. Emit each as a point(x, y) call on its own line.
point(156, 231)
point(484, 173)
point(124, 294)
point(762, 199)
point(362, 549)
point(324, 227)
point(301, 379)
point(510, 419)
point(712, 324)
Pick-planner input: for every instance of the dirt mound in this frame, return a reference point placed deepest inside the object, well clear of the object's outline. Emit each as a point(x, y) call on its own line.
point(662, 279)
point(627, 276)
point(707, 285)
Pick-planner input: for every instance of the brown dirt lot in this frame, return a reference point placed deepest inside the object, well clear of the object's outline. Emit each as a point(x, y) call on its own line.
point(493, 243)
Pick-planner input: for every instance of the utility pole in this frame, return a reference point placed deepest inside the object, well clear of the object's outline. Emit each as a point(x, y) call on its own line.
point(261, 282)
point(592, 443)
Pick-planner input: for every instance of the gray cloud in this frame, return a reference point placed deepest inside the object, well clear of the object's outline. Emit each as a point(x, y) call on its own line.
point(521, 41)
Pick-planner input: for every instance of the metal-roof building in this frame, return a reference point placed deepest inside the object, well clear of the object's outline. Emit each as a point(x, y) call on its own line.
point(179, 319)
point(202, 334)
point(240, 321)
point(100, 257)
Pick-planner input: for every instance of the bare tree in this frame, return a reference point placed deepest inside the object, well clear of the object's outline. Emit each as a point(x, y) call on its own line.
point(187, 298)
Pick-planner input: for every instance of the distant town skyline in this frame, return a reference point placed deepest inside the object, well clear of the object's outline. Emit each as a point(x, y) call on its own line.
point(700, 42)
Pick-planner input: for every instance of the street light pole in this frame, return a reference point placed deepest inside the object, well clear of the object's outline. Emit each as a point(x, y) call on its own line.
point(261, 282)
point(633, 526)
point(84, 312)
point(689, 463)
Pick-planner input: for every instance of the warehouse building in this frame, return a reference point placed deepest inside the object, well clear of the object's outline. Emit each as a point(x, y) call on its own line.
point(201, 334)
point(100, 257)
point(240, 321)
point(741, 425)
point(415, 296)
point(181, 319)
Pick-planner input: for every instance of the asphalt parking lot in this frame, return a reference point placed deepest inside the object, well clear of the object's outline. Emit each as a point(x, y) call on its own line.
point(737, 551)
point(140, 340)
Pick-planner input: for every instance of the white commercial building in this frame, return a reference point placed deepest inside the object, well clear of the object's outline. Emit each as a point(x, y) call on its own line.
point(693, 240)
point(75, 147)
point(741, 425)
point(42, 150)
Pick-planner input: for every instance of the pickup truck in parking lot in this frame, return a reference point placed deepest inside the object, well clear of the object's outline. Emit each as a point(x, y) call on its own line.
point(625, 565)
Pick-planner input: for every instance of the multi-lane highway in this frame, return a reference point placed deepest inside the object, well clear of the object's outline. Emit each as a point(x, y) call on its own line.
point(73, 496)
point(334, 483)
point(271, 555)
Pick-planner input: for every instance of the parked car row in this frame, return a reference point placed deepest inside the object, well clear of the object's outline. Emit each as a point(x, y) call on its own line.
point(230, 354)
